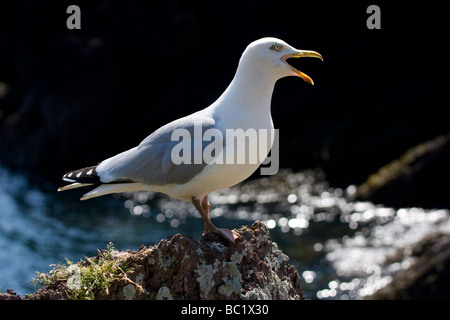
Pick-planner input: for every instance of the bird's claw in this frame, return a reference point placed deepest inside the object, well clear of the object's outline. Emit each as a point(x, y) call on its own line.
point(229, 235)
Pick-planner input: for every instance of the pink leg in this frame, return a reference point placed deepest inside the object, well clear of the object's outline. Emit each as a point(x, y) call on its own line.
point(203, 209)
point(208, 226)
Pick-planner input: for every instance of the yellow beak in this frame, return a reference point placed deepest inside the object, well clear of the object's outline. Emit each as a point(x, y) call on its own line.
point(301, 54)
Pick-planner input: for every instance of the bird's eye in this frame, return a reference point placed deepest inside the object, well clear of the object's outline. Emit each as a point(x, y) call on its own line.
point(277, 47)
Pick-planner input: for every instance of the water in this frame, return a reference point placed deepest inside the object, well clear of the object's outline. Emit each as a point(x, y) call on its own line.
point(343, 249)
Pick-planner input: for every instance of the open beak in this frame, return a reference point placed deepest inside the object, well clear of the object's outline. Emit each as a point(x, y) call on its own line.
point(301, 54)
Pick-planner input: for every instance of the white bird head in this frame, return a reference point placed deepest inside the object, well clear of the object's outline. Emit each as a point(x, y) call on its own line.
point(268, 56)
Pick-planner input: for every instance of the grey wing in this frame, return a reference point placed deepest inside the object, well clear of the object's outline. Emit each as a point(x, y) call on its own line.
point(152, 162)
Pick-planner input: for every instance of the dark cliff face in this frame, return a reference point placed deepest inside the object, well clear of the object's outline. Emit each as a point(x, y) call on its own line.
point(71, 98)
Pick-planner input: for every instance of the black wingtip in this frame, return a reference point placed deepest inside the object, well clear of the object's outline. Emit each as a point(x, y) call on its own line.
point(85, 175)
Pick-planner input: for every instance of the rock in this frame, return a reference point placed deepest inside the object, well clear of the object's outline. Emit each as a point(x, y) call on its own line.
point(427, 278)
point(402, 181)
point(10, 295)
point(183, 268)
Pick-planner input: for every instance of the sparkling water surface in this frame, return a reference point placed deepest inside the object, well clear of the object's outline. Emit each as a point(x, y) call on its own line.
point(343, 249)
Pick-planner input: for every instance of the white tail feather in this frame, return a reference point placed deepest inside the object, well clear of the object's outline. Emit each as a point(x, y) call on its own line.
point(112, 188)
point(74, 186)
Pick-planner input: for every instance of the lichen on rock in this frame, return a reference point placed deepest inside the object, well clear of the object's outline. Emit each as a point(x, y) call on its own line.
point(181, 267)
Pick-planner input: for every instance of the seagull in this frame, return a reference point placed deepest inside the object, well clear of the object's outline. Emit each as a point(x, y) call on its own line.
point(245, 104)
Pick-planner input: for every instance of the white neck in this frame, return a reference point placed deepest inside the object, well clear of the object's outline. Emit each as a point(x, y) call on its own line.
point(250, 90)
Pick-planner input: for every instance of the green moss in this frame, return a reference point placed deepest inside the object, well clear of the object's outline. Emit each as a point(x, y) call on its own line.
point(85, 279)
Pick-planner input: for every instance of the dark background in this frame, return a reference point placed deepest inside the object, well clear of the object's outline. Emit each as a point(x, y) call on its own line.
point(72, 98)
